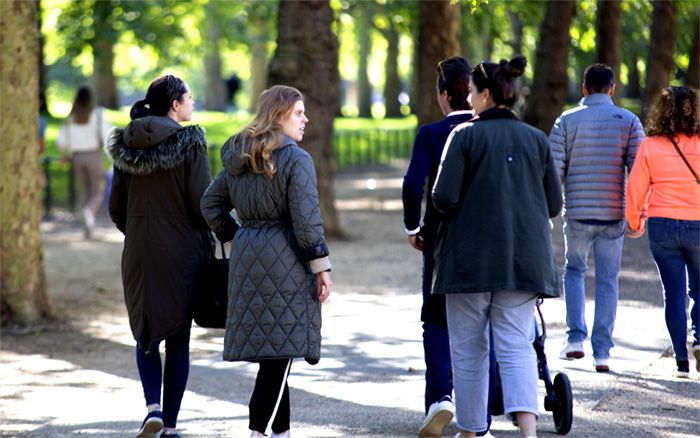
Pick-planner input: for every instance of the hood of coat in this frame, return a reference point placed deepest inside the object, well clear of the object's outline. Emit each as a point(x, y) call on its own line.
point(233, 153)
point(152, 143)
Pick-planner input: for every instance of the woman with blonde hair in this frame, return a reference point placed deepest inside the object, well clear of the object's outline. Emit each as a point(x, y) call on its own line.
point(280, 270)
point(664, 186)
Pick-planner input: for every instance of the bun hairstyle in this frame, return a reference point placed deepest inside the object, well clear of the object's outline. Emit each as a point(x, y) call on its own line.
point(160, 96)
point(453, 76)
point(500, 79)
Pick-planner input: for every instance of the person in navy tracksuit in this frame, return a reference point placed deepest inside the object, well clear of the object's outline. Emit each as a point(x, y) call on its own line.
point(452, 94)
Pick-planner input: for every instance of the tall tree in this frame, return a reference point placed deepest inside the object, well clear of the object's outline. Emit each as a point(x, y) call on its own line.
point(215, 89)
point(22, 279)
point(438, 38)
point(306, 57)
point(550, 80)
point(608, 27)
point(692, 76)
point(363, 19)
point(660, 62)
point(105, 37)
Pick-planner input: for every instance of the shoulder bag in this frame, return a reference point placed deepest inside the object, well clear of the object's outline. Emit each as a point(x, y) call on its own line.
point(685, 160)
point(211, 293)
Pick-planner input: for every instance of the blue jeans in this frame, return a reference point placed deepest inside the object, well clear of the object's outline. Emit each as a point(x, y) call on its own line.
point(675, 245)
point(607, 251)
point(174, 377)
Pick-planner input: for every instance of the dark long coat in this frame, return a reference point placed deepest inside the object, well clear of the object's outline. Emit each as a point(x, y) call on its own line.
point(160, 173)
point(498, 186)
point(273, 310)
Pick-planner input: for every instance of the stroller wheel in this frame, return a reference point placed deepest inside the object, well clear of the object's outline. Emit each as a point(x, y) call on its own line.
point(563, 411)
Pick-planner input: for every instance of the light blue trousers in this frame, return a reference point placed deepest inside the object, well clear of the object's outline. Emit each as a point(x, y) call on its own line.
point(511, 316)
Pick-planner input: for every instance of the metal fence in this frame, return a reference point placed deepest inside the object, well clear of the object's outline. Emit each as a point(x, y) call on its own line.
point(352, 148)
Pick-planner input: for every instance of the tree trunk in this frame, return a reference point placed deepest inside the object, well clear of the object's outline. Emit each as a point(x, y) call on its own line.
point(516, 25)
point(438, 38)
point(392, 82)
point(550, 80)
point(364, 88)
point(633, 90)
point(692, 76)
point(103, 55)
point(306, 57)
point(608, 29)
point(660, 58)
point(215, 88)
point(22, 278)
point(258, 66)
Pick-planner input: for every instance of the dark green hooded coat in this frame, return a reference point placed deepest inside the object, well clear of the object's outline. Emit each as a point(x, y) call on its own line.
point(160, 173)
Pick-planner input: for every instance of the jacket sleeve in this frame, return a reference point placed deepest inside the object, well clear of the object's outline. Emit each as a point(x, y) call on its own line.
point(552, 185)
point(414, 180)
point(302, 194)
point(117, 200)
point(198, 180)
point(637, 190)
point(216, 208)
point(557, 142)
point(448, 183)
point(636, 136)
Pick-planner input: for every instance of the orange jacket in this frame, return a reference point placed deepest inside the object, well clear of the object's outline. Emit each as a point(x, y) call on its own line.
point(660, 183)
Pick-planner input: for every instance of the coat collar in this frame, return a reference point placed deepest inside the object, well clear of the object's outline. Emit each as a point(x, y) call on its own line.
point(494, 113)
point(596, 99)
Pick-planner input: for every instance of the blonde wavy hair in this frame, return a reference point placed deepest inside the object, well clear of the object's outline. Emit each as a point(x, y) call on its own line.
point(676, 111)
point(265, 133)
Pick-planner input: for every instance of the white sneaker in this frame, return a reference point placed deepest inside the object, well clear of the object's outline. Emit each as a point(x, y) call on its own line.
point(439, 415)
point(488, 435)
point(602, 365)
point(572, 350)
point(285, 434)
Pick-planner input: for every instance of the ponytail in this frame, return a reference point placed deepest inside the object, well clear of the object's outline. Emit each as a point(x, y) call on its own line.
point(500, 79)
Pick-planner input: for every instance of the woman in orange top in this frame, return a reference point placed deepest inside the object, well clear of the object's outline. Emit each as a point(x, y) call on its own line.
point(664, 186)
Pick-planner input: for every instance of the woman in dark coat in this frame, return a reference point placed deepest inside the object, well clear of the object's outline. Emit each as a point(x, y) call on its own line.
point(161, 171)
point(498, 187)
point(280, 271)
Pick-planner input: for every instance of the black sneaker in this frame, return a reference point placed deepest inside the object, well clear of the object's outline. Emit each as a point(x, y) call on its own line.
point(152, 424)
point(682, 369)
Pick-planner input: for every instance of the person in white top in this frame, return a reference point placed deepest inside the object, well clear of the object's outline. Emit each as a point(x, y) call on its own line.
point(81, 138)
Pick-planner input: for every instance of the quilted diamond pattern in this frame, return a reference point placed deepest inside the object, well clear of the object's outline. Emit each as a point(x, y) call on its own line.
point(274, 311)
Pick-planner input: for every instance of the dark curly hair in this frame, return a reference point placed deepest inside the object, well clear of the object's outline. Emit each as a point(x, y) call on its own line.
point(676, 111)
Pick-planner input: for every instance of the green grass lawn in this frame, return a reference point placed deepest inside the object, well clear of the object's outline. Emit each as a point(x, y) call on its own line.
point(356, 141)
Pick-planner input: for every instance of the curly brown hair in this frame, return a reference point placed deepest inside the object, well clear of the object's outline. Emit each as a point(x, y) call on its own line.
point(676, 111)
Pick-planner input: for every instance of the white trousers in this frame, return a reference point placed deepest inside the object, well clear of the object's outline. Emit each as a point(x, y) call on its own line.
point(511, 316)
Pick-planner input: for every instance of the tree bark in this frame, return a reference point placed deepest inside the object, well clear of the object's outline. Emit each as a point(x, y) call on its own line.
point(103, 55)
point(660, 63)
point(22, 279)
point(608, 29)
point(634, 89)
point(215, 88)
point(364, 88)
point(548, 91)
point(392, 82)
point(692, 76)
point(306, 57)
point(258, 67)
point(516, 24)
point(438, 38)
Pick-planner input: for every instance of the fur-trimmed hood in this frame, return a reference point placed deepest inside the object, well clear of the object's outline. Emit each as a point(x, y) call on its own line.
point(232, 153)
point(152, 143)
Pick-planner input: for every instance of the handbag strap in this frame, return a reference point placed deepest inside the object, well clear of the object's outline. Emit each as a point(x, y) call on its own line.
point(685, 160)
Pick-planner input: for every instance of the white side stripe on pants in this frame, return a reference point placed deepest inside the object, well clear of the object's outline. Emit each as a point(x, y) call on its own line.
point(268, 429)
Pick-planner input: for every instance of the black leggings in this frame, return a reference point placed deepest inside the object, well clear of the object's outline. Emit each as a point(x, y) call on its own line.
point(266, 398)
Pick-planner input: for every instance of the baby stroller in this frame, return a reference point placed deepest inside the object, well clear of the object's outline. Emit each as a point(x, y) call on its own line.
point(559, 399)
